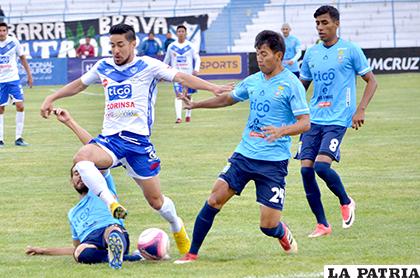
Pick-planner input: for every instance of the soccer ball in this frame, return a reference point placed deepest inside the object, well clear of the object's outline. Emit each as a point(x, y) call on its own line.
point(153, 244)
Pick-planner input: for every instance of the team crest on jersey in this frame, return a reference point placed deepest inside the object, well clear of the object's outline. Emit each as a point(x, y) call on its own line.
point(340, 55)
point(105, 82)
point(133, 70)
point(279, 91)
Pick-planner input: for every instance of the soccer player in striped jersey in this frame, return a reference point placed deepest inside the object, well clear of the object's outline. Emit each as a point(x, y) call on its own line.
point(130, 93)
point(10, 85)
point(183, 56)
point(278, 109)
point(332, 66)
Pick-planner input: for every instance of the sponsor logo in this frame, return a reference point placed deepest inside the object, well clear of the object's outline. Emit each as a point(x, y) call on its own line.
point(216, 65)
point(121, 114)
point(371, 271)
point(325, 77)
point(256, 134)
point(262, 108)
point(105, 82)
point(117, 105)
point(119, 92)
point(395, 63)
point(181, 59)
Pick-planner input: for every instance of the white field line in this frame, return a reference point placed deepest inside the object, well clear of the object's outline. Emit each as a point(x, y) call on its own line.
point(295, 275)
point(85, 93)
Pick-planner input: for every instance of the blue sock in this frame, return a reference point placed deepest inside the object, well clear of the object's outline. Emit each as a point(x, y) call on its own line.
point(277, 232)
point(333, 181)
point(313, 195)
point(202, 226)
point(93, 256)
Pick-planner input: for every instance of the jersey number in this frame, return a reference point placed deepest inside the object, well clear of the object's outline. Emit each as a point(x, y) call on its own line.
point(334, 144)
point(278, 195)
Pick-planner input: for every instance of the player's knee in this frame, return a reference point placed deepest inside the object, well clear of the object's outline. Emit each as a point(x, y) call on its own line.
point(155, 202)
point(214, 202)
point(81, 253)
point(20, 107)
point(322, 168)
point(1, 109)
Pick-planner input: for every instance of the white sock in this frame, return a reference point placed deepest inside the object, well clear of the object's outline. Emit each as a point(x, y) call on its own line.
point(20, 118)
point(95, 181)
point(188, 113)
point(178, 108)
point(1, 127)
point(168, 212)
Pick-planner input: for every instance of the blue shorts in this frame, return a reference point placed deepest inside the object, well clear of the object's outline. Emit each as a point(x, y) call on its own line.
point(135, 152)
point(269, 178)
point(96, 238)
point(178, 88)
point(321, 139)
point(10, 89)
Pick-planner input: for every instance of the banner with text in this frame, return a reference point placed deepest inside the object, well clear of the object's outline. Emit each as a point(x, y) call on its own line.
point(51, 71)
point(61, 39)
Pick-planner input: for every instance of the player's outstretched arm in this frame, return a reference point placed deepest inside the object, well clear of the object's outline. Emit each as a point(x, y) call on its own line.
point(64, 116)
point(70, 89)
point(359, 116)
point(49, 251)
point(197, 83)
point(214, 102)
point(302, 124)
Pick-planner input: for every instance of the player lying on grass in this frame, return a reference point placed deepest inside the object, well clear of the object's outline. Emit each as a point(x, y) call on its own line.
point(97, 236)
point(277, 110)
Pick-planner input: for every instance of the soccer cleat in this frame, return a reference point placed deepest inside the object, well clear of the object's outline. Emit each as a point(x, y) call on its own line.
point(178, 121)
point(134, 257)
point(20, 142)
point(115, 250)
point(288, 243)
point(1, 144)
point(188, 258)
point(182, 240)
point(118, 211)
point(348, 214)
point(187, 119)
point(321, 230)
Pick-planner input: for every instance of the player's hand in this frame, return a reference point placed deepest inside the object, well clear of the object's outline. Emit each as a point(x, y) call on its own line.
point(32, 251)
point(62, 115)
point(188, 103)
point(290, 62)
point(220, 89)
point(358, 119)
point(30, 81)
point(272, 133)
point(46, 108)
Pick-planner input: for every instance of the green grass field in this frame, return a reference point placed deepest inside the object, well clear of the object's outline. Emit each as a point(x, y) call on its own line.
point(380, 168)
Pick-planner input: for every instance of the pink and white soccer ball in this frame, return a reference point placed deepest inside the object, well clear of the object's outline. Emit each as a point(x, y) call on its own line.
point(153, 244)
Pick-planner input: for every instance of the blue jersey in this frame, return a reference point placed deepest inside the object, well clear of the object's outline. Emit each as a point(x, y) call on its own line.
point(333, 71)
point(293, 47)
point(91, 213)
point(273, 102)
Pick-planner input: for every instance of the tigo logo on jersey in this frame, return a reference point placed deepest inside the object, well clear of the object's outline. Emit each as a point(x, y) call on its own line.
point(119, 92)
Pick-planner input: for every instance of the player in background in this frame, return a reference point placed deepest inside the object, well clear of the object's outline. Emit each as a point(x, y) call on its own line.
point(183, 56)
point(97, 236)
point(130, 93)
point(10, 86)
point(332, 66)
point(293, 50)
point(278, 109)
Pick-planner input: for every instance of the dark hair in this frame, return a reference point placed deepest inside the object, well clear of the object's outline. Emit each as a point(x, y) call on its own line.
point(181, 27)
point(332, 11)
point(272, 39)
point(121, 29)
point(4, 24)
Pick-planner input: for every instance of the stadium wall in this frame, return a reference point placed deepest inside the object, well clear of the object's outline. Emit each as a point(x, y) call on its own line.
point(381, 60)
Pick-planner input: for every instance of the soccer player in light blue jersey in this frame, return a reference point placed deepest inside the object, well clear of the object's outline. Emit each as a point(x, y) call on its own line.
point(130, 89)
point(293, 50)
point(97, 236)
point(278, 109)
point(332, 66)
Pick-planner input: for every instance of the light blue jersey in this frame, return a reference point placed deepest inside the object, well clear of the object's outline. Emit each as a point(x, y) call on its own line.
point(91, 213)
point(333, 71)
point(273, 102)
point(293, 47)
